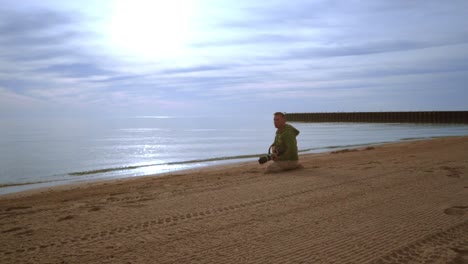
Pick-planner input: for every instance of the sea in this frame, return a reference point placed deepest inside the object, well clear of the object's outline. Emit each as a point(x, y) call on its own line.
point(46, 152)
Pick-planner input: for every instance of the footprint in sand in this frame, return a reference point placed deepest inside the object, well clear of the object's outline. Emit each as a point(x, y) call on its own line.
point(462, 256)
point(14, 229)
point(344, 151)
point(94, 209)
point(456, 210)
point(17, 208)
point(452, 172)
point(68, 217)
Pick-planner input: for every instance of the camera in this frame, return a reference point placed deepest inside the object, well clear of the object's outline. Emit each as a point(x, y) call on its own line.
point(264, 159)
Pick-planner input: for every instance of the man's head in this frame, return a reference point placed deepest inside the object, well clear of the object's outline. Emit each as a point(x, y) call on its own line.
point(279, 120)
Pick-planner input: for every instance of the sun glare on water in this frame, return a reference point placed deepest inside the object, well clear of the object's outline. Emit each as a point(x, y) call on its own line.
point(150, 29)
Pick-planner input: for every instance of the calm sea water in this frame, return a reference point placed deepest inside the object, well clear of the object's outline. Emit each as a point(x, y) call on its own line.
point(37, 153)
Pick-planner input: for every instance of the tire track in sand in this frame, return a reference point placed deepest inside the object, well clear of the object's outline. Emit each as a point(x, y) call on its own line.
point(171, 220)
point(301, 240)
point(85, 239)
point(429, 250)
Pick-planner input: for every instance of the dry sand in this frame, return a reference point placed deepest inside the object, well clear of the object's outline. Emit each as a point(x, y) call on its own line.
point(397, 203)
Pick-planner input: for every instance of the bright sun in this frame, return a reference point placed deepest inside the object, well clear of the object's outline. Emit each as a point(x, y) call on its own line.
point(151, 29)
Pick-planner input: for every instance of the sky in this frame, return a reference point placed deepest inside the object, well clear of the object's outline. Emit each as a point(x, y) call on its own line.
point(200, 57)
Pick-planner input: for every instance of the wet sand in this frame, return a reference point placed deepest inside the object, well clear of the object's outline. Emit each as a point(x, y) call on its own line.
point(397, 203)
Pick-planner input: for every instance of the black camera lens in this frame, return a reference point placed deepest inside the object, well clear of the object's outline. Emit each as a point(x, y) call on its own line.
point(264, 159)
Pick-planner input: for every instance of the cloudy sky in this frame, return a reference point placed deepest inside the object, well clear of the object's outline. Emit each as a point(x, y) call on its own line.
point(190, 57)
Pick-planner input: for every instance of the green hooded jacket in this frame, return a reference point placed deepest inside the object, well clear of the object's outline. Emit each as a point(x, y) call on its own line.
point(286, 143)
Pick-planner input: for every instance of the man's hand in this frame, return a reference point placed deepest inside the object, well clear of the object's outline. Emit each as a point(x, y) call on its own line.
point(274, 156)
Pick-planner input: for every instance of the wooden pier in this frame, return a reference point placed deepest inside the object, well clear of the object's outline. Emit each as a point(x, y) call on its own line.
point(433, 117)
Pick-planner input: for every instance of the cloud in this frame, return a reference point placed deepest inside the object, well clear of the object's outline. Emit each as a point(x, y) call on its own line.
point(30, 34)
point(36, 40)
point(77, 69)
point(10, 101)
point(198, 68)
point(16, 24)
point(355, 49)
point(305, 55)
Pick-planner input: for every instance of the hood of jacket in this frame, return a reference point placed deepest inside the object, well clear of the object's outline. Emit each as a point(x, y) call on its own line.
point(288, 127)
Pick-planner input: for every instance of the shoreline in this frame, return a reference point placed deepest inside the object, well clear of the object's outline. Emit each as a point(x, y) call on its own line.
point(401, 202)
point(240, 159)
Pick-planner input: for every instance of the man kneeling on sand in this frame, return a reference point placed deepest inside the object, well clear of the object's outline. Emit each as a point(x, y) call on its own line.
point(284, 149)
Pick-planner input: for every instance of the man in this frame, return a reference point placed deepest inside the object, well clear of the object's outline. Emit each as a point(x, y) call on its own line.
point(284, 149)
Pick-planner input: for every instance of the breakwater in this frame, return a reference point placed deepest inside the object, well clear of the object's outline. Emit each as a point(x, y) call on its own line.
point(436, 117)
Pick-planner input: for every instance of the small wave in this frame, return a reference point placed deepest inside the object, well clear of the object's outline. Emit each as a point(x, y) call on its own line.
point(412, 138)
point(309, 149)
point(82, 173)
point(5, 185)
point(344, 146)
point(105, 170)
point(336, 147)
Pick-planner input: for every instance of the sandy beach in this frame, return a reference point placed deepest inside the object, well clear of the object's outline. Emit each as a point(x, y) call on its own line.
point(403, 202)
